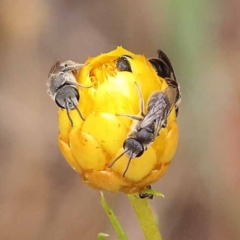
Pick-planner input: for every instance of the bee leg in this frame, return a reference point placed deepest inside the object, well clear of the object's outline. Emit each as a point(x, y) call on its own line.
point(141, 100)
point(177, 111)
point(130, 116)
point(165, 123)
point(77, 84)
point(82, 86)
point(158, 125)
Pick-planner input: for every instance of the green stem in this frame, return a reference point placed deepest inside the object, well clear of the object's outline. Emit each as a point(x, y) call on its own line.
point(116, 225)
point(102, 236)
point(145, 217)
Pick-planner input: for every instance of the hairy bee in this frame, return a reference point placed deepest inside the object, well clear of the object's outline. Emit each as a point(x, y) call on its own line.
point(159, 107)
point(62, 86)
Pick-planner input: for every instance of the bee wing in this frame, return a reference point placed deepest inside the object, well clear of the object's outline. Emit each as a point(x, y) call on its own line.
point(159, 106)
point(163, 57)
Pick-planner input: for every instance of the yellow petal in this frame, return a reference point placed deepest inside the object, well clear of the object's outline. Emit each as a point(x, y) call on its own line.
point(109, 136)
point(107, 180)
point(67, 153)
point(87, 150)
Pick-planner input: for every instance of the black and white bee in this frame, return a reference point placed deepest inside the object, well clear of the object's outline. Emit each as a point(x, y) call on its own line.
point(62, 86)
point(159, 107)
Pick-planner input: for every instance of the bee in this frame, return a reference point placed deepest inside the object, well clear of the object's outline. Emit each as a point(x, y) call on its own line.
point(146, 195)
point(164, 69)
point(123, 64)
point(62, 86)
point(159, 107)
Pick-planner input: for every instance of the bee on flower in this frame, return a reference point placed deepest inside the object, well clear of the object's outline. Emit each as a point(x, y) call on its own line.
point(62, 86)
point(130, 133)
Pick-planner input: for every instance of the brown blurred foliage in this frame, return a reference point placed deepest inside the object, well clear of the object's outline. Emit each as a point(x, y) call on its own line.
point(41, 197)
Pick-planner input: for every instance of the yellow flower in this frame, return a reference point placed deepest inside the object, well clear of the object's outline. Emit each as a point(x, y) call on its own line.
point(90, 146)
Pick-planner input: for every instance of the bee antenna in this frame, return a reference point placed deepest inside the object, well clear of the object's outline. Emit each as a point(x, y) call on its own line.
point(129, 161)
point(117, 158)
point(81, 116)
point(68, 114)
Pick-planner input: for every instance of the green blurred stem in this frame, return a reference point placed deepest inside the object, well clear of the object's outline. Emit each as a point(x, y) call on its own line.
point(145, 217)
point(116, 225)
point(102, 236)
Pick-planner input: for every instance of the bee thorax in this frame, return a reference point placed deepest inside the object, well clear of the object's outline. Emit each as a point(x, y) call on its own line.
point(145, 135)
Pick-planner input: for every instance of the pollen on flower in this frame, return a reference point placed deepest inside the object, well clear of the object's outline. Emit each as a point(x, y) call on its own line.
point(90, 146)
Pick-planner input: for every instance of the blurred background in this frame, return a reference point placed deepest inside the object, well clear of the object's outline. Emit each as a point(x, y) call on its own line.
point(41, 197)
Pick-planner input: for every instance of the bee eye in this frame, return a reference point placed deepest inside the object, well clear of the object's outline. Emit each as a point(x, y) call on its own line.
point(161, 68)
point(123, 63)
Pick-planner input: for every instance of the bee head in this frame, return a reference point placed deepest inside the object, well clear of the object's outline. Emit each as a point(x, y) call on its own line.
point(67, 97)
point(134, 147)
